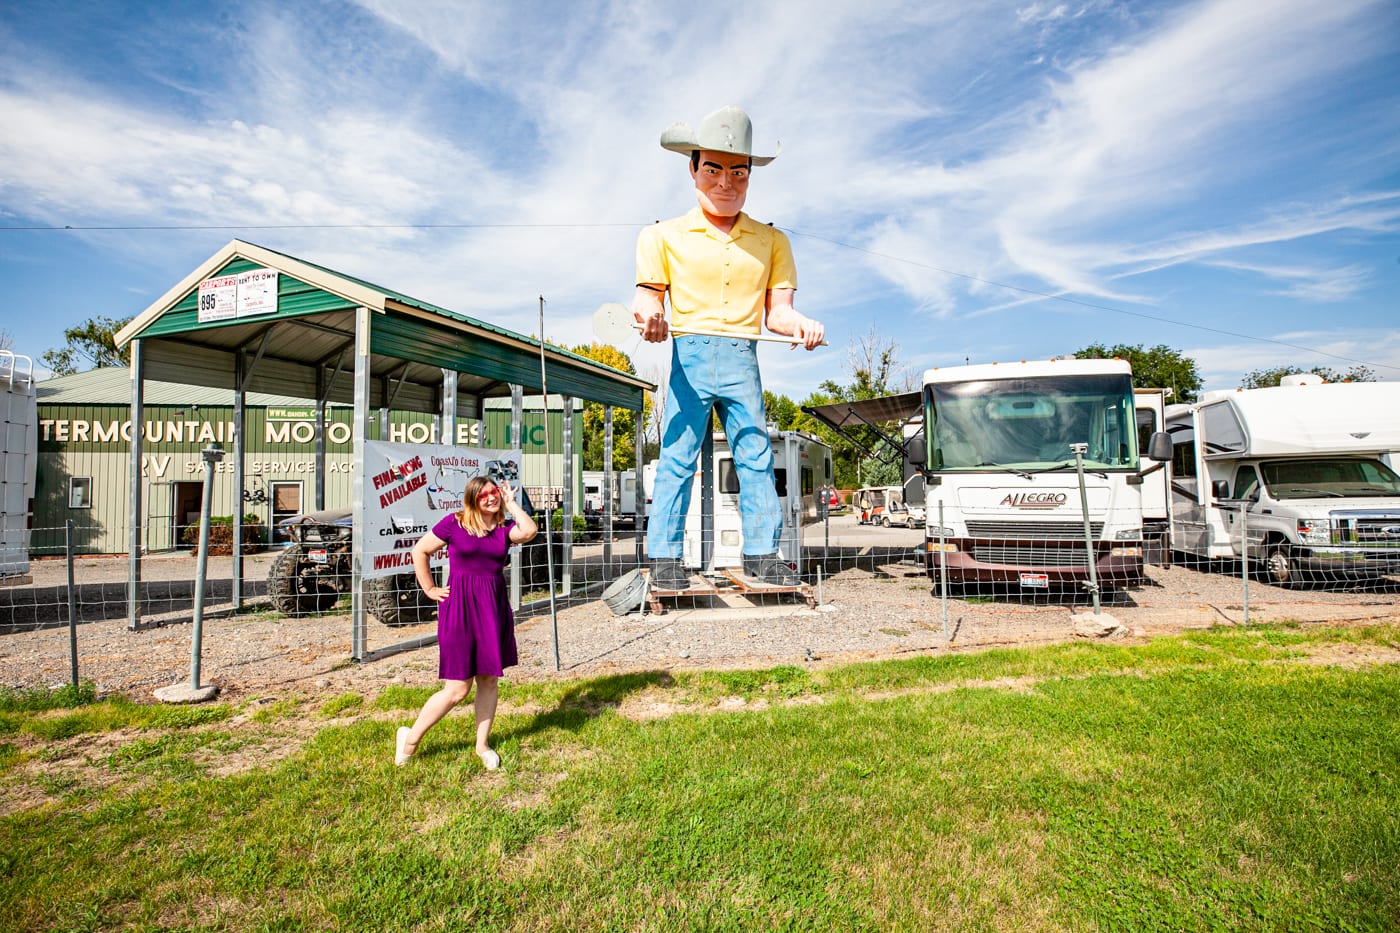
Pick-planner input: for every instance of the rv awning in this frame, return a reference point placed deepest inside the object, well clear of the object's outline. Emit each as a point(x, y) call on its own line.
point(867, 411)
point(870, 413)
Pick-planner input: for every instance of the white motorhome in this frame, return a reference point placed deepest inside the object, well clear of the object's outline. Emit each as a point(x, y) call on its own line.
point(1000, 462)
point(1151, 405)
point(593, 490)
point(801, 465)
point(1301, 466)
point(624, 495)
point(19, 456)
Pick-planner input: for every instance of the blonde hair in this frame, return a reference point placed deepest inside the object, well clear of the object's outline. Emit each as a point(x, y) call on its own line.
point(473, 517)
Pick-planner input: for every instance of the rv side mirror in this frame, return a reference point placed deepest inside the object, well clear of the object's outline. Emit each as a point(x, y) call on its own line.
point(1220, 489)
point(918, 456)
point(1159, 447)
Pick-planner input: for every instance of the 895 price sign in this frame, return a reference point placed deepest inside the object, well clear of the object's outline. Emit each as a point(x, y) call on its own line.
point(218, 298)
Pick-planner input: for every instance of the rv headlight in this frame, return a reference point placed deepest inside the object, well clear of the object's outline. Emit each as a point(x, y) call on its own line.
point(1129, 534)
point(1314, 531)
point(934, 531)
point(1125, 552)
point(948, 547)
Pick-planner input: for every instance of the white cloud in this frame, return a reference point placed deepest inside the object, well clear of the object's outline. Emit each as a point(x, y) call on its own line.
point(923, 134)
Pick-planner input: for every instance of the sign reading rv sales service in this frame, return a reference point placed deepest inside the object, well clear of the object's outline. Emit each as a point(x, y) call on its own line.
point(247, 294)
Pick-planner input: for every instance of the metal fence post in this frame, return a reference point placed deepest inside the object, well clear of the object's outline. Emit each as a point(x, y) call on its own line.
point(1079, 451)
point(1244, 557)
point(211, 456)
point(826, 525)
point(72, 604)
point(943, 568)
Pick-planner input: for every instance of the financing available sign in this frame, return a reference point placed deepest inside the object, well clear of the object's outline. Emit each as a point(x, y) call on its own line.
point(410, 487)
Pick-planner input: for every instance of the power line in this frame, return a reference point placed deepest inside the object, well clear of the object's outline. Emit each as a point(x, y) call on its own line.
point(86, 229)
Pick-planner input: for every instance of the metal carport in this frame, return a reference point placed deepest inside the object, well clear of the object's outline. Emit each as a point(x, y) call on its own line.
point(330, 337)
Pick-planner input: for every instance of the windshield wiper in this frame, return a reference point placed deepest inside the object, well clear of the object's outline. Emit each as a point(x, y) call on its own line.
point(1021, 473)
point(1069, 465)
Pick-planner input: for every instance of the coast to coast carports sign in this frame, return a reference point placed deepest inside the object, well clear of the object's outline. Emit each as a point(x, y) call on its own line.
point(408, 488)
point(247, 294)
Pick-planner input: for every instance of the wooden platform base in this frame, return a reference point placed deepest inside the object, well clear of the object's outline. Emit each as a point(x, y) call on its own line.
point(722, 583)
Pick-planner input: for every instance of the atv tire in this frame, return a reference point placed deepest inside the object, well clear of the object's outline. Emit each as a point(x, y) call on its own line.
point(398, 600)
point(296, 589)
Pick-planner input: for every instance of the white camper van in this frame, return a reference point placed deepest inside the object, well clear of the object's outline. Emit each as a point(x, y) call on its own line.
point(1301, 466)
point(801, 465)
point(624, 497)
point(1001, 465)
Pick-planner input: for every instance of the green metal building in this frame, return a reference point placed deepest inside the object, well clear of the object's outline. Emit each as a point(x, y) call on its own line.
point(84, 426)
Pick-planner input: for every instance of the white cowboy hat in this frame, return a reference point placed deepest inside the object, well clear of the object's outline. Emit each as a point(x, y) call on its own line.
point(728, 129)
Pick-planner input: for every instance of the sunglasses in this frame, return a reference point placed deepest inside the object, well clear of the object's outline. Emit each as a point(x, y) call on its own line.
point(488, 493)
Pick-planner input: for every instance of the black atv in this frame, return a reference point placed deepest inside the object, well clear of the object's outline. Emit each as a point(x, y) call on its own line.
point(314, 571)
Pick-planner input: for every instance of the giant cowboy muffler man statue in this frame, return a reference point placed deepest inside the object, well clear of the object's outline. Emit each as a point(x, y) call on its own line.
point(724, 272)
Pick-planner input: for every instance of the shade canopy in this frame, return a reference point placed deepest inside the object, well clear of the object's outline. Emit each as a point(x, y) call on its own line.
point(300, 342)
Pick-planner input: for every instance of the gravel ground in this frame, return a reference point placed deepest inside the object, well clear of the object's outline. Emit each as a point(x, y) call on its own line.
point(876, 608)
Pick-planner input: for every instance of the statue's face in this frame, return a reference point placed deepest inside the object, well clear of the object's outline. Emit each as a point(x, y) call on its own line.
point(721, 182)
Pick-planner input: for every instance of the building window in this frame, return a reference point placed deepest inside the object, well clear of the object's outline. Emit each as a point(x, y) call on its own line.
point(80, 492)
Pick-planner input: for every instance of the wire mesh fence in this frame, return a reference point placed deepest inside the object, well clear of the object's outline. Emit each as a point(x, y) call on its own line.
point(865, 577)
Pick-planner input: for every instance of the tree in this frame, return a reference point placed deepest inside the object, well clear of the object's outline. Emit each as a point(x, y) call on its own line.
point(875, 372)
point(624, 420)
point(1158, 367)
point(7, 340)
point(877, 471)
point(781, 411)
point(875, 369)
point(1265, 378)
point(90, 345)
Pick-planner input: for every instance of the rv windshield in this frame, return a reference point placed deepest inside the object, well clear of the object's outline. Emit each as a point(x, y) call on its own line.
point(1028, 424)
point(1329, 479)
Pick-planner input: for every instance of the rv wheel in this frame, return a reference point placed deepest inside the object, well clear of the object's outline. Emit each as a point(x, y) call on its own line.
point(1279, 567)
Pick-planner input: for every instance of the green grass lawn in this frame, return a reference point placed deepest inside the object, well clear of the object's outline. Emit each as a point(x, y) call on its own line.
point(1230, 779)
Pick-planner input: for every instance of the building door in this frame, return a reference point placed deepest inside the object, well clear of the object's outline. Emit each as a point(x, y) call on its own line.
point(160, 518)
point(189, 499)
point(286, 502)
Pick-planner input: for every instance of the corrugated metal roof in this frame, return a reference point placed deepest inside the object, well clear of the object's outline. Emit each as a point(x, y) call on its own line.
point(305, 345)
point(112, 385)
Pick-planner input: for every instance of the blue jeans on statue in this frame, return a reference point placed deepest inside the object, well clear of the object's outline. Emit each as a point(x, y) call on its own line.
point(719, 372)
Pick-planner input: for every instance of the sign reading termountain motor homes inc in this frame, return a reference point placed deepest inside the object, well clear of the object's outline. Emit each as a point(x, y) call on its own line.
point(408, 488)
point(247, 294)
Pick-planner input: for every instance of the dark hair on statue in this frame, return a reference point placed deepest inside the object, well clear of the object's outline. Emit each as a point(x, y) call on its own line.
point(695, 161)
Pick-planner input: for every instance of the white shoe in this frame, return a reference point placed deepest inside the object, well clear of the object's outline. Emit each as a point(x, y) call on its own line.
point(489, 759)
point(401, 752)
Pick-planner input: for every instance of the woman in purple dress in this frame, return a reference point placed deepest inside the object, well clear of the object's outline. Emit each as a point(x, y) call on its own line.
point(476, 631)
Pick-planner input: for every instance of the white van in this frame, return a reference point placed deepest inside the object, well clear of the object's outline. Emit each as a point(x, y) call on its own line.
point(1300, 467)
point(623, 499)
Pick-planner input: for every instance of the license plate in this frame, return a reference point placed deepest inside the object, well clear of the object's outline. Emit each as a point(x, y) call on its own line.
point(318, 556)
point(1040, 580)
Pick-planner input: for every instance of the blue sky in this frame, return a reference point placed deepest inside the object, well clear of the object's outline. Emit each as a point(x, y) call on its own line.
point(978, 181)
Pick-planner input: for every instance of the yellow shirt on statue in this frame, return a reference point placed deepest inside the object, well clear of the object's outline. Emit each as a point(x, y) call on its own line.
point(717, 281)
